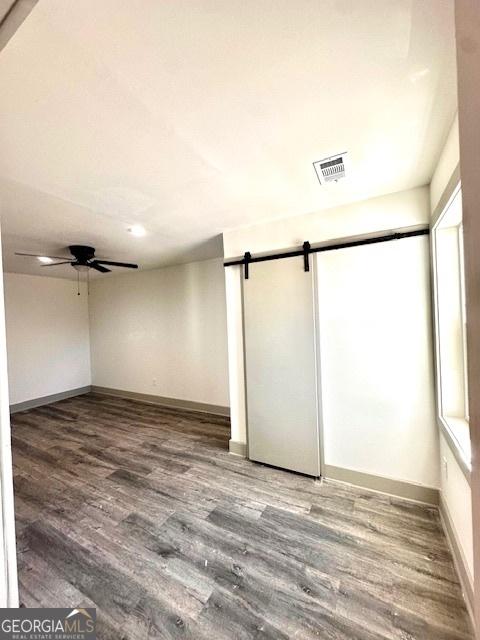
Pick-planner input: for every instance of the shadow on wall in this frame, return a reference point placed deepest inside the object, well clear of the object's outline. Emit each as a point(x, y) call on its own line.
point(207, 249)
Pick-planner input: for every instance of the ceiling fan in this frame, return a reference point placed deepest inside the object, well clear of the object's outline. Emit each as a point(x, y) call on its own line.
point(83, 259)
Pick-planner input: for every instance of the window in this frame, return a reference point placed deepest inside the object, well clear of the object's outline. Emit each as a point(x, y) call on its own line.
point(450, 325)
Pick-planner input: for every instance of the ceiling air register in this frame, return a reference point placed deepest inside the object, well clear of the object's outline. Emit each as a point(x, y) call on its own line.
point(331, 169)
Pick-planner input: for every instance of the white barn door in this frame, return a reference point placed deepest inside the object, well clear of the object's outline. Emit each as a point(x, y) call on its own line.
point(280, 363)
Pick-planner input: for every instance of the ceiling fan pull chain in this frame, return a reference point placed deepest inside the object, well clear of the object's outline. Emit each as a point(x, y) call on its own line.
point(78, 283)
point(88, 282)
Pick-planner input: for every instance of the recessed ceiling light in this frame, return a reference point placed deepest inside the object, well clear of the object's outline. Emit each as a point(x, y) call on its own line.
point(45, 259)
point(137, 230)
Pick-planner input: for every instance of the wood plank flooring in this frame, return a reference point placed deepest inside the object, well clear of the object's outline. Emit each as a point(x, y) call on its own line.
point(141, 512)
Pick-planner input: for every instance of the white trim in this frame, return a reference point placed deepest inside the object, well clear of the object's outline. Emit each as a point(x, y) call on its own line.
point(318, 362)
point(237, 449)
point(463, 303)
point(8, 551)
point(12, 20)
point(439, 216)
point(445, 422)
point(236, 374)
point(446, 206)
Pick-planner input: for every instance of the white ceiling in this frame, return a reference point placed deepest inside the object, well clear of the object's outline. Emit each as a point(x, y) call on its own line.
point(194, 117)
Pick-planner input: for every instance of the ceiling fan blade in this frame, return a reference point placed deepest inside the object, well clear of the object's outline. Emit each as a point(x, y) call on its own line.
point(35, 255)
point(55, 264)
point(127, 265)
point(98, 267)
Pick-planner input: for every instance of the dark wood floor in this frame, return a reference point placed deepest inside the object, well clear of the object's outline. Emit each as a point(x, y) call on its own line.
point(142, 513)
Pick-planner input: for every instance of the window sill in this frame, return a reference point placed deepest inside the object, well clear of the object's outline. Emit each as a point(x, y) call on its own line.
point(457, 435)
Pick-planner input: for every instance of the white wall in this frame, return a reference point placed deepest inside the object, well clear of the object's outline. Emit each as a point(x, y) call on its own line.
point(457, 498)
point(47, 336)
point(236, 363)
point(162, 332)
point(447, 162)
point(377, 360)
point(394, 211)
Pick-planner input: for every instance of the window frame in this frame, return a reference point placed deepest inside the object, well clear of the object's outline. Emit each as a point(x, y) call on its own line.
point(447, 422)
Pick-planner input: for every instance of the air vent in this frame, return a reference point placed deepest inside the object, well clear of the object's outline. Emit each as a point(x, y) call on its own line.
point(330, 169)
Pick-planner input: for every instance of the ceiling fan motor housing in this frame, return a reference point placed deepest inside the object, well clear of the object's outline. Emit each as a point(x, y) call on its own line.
point(82, 253)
